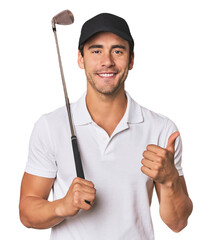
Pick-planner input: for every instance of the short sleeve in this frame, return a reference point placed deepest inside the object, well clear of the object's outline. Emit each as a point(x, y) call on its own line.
point(41, 158)
point(168, 130)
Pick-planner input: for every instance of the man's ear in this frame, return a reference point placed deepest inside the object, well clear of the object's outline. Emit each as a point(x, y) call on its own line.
point(80, 60)
point(131, 63)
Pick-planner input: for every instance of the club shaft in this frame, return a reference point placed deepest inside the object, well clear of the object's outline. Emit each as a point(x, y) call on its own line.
point(77, 158)
point(64, 85)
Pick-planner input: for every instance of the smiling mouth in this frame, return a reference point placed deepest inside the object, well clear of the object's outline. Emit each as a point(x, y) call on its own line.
point(106, 75)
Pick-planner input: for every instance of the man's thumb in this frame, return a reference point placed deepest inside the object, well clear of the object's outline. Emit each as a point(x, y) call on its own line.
point(171, 141)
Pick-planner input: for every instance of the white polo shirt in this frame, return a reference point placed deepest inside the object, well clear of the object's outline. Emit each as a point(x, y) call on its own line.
point(123, 197)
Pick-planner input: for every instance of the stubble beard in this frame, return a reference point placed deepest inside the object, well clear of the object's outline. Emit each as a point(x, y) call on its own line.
point(110, 90)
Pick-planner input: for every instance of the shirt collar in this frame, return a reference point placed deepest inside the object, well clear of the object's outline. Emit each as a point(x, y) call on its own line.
point(81, 116)
point(133, 112)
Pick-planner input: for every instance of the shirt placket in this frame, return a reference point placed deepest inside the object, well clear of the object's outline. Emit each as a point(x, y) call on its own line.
point(104, 140)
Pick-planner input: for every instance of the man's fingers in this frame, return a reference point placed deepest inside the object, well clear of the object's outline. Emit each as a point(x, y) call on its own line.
point(151, 156)
point(153, 148)
point(87, 189)
point(148, 163)
point(84, 193)
point(147, 171)
point(87, 201)
point(81, 199)
point(83, 186)
point(162, 151)
point(171, 142)
point(83, 181)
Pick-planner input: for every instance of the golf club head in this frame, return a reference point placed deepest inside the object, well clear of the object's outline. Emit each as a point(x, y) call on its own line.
point(63, 18)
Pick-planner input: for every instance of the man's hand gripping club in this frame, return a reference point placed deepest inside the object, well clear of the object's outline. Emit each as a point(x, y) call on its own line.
point(79, 194)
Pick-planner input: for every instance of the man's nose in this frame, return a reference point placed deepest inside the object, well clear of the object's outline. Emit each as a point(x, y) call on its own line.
point(107, 60)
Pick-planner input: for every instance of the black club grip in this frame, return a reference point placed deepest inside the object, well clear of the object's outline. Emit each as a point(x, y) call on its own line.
point(77, 158)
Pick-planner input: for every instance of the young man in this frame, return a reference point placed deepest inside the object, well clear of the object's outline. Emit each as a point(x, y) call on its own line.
point(126, 150)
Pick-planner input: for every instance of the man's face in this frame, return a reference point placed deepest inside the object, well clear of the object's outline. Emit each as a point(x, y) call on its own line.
point(106, 62)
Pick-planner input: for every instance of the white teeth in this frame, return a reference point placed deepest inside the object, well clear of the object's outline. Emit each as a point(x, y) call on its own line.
point(106, 74)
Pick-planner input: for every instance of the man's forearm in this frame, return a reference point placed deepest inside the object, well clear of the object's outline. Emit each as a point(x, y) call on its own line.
point(39, 213)
point(175, 205)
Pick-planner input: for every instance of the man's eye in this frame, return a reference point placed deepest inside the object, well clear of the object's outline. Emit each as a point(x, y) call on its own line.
point(118, 52)
point(96, 51)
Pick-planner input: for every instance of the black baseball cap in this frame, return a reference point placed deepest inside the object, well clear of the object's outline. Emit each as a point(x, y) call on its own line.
point(106, 22)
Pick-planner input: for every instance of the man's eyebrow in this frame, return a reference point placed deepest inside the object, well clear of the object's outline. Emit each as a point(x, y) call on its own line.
point(95, 46)
point(119, 46)
point(101, 46)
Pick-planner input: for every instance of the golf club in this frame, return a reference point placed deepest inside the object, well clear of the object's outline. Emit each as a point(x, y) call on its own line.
point(66, 18)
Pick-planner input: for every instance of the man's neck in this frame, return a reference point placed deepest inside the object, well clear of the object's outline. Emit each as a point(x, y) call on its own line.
point(106, 110)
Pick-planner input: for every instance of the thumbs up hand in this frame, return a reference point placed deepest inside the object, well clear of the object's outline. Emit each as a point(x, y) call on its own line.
point(158, 163)
point(171, 142)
